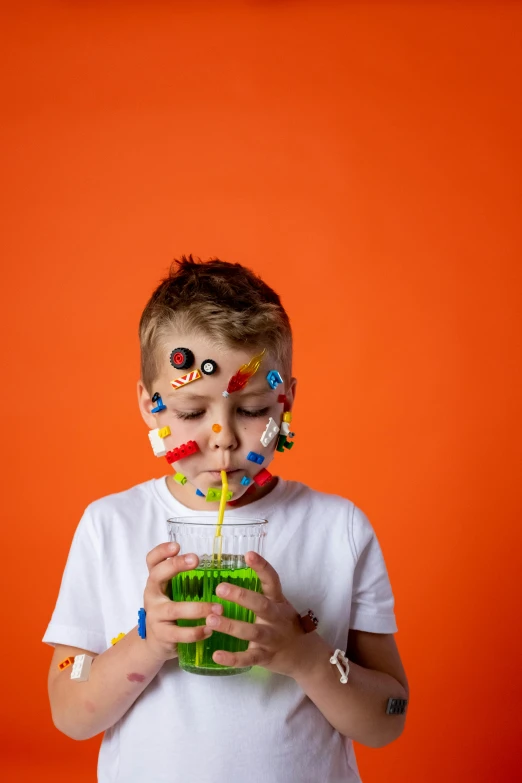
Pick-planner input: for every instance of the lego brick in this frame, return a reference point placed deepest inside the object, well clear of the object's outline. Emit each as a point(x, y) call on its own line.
point(67, 662)
point(287, 416)
point(245, 481)
point(158, 447)
point(281, 398)
point(270, 432)
point(117, 638)
point(209, 366)
point(200, 493)
point(142, 623)
point(262, 477)
point(81, 667)
point(274, 379)
point(180, 452)
point(160, 405)
point(214, 494)
point(180, 478)
point(253, 457)
point(177, 383)
point(216, 428)
point(164, 432)
point(396, 706)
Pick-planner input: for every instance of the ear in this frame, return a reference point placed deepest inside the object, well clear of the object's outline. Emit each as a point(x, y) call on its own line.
point(145, 404)
point(290, 393)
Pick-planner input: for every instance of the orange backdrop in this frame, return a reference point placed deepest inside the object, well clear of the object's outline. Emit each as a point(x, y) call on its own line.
point(365, 159)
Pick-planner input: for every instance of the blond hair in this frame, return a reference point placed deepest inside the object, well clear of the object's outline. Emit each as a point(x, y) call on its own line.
point(226, 302)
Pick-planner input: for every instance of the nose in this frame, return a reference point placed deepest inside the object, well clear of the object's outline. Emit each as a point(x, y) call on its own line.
point(225, 439)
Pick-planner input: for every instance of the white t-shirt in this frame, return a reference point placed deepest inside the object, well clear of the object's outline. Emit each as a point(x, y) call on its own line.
point(257, 726)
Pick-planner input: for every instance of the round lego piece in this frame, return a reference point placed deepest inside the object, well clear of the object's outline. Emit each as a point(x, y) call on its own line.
point(209, 366)
point(182, 358)
point(216, 427)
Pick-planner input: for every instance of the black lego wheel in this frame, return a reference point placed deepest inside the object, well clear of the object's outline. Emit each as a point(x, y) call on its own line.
point(182, 358)
point(209, 366)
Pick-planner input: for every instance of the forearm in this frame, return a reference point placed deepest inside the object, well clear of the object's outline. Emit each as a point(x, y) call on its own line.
point(116, 679)
point(356, 709)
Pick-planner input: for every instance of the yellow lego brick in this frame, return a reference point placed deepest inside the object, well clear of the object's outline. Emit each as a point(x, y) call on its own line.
point(180, 478)
point(117, 638)
point(67, 662)
point(164, 431)
point(287, 416)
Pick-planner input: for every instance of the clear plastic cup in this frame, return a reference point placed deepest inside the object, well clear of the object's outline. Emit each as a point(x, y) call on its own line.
point(221, 559)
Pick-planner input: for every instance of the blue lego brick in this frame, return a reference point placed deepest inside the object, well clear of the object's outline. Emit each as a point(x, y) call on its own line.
point(274, 379)
point(253, 457)
point(200, 493)
point(142, 631)
point(245, 481)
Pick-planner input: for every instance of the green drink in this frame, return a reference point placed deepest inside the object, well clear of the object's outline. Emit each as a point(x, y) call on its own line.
point(221, 551)
point(200, 584)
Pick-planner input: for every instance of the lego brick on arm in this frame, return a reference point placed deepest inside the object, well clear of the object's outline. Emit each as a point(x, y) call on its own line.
point(81, 710)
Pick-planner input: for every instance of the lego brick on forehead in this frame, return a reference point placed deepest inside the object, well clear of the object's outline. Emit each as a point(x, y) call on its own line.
point(177, 383)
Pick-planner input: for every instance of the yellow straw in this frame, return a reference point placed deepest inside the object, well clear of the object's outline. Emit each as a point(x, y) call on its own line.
point(221, 514)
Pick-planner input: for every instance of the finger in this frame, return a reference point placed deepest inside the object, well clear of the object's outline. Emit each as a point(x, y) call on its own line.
point(268, 576)
point(162, 573)
point(161, 552)
point(261, 605)
point(251, 632)
point(188, 610)
point(175, 634)
point(255, 657)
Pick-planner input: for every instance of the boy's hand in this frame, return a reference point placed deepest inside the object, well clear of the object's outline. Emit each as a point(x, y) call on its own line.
point(275, 636)
point(162, 632)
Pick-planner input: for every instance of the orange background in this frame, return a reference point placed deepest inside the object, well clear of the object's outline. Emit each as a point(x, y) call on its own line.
point(364, 158)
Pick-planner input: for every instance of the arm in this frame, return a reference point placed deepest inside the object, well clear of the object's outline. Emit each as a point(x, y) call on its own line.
point(118, 676)
point(358, 708)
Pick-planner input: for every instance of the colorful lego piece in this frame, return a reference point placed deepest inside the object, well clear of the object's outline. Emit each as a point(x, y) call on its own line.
point(280, 443)
point(117, 638)
point(274, 379)
point(287, 416)
point(182, 358)
point(180, 452)
point(281, 398)
point(285, 428)
point(82, 667)
point(209, 367)
point(288, 444)
point(245, 481)
point(245, 372)
point(200, 493)
point(158, 447)
point(177, 383)
point(217, 427)
point(142, 623)
point(67, 662)
point(262, 477)
point(164, 432)
point(156, 397)
point(180, 478)
point(270, 432)
point(253, 457)
point(214, 494)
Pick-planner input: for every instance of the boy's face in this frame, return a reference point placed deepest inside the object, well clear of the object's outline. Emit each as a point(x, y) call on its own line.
point(194, 408)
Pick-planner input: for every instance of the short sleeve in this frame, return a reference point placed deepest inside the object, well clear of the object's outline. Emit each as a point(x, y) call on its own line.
point(77, 619)
point(372, 597)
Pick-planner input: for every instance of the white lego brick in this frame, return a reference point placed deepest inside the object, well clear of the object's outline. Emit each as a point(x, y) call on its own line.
point(270, 432)
point(158, 446)
point(81, 667)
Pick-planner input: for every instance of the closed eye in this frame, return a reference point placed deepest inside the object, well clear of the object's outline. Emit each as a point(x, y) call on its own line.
point(241, 411)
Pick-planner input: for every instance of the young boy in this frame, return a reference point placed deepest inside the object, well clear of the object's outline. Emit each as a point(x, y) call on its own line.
point(293, 716)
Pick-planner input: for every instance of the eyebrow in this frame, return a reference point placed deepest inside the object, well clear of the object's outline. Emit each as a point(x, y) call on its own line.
point(193, 396)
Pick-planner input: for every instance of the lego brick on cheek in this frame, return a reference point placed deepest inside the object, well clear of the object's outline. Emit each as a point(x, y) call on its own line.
point(135, 677)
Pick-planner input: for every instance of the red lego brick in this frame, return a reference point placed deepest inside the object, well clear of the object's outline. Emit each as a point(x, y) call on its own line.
point(262, 477)
point(281, 398)
point(185, 450)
